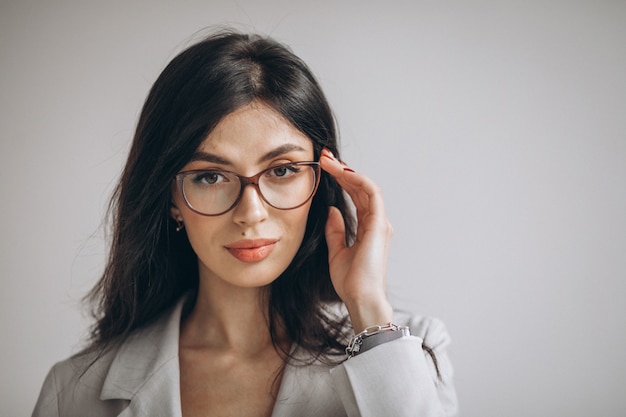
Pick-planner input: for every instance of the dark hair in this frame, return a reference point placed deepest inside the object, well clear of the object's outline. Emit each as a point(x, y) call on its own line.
point(149, 265)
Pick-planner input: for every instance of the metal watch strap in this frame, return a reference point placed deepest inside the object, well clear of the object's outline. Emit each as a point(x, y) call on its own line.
point(384, 337)
point(374, 336)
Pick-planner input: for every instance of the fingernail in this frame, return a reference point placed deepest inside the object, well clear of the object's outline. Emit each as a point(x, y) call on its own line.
point(327, 153)
point(348, 169)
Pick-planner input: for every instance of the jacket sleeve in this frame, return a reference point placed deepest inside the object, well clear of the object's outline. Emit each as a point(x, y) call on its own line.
point(400, 378)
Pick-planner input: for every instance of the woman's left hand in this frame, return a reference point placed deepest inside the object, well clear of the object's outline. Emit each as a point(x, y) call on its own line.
point(358, 272)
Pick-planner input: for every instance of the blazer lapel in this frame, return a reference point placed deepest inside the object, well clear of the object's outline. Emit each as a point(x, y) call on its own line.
point(306, 391)
point(159, 397)
point(145, 370)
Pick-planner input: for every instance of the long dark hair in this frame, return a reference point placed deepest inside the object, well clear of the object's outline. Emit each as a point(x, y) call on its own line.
point(150, 266)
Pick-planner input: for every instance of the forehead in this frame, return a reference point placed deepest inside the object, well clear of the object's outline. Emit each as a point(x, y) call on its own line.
point(251, 131)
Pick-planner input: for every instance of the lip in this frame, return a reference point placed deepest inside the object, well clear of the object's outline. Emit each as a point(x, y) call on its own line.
point(251, 250)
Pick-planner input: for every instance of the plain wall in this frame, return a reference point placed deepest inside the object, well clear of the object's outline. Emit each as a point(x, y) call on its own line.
point(496, 129)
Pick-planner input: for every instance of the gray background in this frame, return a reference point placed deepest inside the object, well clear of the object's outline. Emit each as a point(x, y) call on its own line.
point(497, 131)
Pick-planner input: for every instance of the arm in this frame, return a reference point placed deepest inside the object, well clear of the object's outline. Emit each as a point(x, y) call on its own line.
point(358, 272)
point(396, 378)
point(393, 379)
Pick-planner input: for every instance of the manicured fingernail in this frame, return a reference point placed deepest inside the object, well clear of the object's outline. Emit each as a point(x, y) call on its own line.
point(348, 169)
point(327, 153)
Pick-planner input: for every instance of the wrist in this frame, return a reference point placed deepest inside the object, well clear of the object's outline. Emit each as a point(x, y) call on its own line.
point(374, 336)
point(365, 314)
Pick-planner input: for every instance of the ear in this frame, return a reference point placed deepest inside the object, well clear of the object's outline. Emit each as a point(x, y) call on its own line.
point(175, 212)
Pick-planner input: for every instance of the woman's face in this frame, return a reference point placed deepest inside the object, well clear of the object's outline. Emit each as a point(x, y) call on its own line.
point(252, 244)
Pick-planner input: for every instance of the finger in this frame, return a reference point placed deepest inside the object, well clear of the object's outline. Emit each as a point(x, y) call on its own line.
point(330, 164)
point(365, 194)
point(335, 231)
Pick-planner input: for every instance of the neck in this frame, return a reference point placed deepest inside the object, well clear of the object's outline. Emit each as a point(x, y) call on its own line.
point(229, 318)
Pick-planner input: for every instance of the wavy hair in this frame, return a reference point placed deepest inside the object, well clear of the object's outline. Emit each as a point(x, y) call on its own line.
point(150, 266)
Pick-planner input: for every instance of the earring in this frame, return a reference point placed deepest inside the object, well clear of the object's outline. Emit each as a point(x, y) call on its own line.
point(179, 225)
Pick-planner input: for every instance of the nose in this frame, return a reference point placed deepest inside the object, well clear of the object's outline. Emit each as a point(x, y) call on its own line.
point(251, 208)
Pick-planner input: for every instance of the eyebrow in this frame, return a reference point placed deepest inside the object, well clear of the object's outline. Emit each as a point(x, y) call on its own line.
point(281, 150)
point(209, 157)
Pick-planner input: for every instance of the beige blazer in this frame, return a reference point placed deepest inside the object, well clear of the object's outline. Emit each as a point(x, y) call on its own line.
point(141, 378)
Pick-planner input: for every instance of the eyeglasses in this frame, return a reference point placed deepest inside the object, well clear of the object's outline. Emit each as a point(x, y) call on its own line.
point(214, 192)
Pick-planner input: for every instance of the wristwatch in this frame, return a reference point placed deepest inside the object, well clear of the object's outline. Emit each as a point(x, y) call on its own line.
point(374, 336)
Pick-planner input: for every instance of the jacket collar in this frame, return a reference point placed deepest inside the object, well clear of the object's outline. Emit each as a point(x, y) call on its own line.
point(145, 369)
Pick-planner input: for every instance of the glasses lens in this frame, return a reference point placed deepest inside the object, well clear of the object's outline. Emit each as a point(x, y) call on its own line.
point(284, 187)
point(288, 186)
point(211, 192)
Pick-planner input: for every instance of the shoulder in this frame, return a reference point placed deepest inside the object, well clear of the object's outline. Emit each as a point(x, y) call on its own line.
point(99, 382)
point(75, 384)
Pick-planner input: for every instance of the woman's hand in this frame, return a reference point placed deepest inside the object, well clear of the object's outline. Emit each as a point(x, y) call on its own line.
point(358, 272)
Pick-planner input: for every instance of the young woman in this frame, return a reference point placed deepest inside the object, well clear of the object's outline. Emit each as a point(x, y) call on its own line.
point(238, 281)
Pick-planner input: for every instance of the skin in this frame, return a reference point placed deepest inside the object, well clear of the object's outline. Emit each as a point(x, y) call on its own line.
point(228, 364)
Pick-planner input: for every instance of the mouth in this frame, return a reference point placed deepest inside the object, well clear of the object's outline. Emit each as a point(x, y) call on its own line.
point(251, 250)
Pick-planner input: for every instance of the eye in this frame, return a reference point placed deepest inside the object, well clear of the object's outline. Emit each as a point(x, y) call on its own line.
point(283, 171)
point(209, 178)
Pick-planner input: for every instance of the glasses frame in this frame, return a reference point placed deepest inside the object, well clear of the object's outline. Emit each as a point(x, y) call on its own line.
point(245, 181)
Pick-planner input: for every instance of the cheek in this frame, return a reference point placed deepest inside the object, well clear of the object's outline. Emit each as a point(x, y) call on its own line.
point(200, 233)
point(298, 222)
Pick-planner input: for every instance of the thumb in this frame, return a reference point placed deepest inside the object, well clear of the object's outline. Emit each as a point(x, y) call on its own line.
point(335, 232)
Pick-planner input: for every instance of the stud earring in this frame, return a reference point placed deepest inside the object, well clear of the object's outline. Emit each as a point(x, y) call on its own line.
point(179, 225)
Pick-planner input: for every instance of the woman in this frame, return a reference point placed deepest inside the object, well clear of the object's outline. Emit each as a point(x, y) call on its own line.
point(236, 281)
